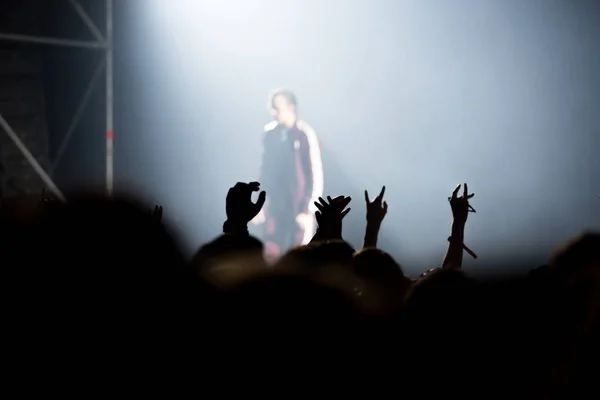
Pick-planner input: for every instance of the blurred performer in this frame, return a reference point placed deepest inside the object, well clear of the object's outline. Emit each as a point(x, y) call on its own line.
point(292, 175)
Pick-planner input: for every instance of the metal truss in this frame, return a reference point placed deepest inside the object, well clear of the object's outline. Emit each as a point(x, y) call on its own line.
point(103, 43)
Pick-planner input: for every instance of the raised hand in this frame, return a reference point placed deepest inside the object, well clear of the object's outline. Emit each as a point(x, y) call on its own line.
point(239, 205)
point(157, 214)
point(330, 215)
point(376, 209)
point(332, 208)
point(460, 211)
point(460, 205)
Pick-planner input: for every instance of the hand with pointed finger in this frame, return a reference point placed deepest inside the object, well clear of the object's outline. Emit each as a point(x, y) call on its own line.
point(330, 215)
point(376, 209)
point(460, 205)
point(239, 205)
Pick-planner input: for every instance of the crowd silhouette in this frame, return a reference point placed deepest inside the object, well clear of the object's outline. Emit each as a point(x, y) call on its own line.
point(99, 295)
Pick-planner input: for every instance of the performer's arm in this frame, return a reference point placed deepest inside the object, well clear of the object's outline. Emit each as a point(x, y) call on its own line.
point(312, 165)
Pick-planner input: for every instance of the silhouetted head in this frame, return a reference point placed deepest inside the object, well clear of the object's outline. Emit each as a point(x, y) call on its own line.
point(105, 275)
point(329, 262)
point(98, 246)
point(376, 264)
point(288, 321)
point(277, 299)
point(317, 256)
point(229, 258)
point(575, 269)
point(382, 284)
point(577, 258)
point(442, 295)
